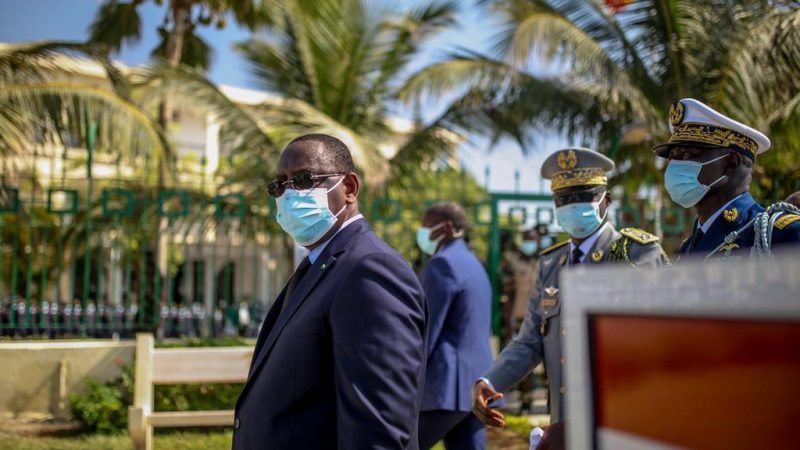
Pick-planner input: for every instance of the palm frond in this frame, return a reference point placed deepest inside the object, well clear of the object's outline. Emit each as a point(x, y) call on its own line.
point(116, 23)
point(251, 134)
point(55, 110)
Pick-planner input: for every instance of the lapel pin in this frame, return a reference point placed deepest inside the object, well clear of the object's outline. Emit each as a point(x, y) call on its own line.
point(597, 256)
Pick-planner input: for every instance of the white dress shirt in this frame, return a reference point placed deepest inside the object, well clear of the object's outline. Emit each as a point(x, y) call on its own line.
point(588, 243)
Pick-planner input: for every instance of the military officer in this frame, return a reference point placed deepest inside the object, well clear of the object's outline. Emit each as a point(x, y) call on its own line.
point(578, 180)
point(711, 159)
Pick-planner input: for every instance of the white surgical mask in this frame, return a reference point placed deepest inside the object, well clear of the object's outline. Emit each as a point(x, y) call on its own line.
point(305, 215)
point(580, 220)
point(682, 184)
point(427, 245)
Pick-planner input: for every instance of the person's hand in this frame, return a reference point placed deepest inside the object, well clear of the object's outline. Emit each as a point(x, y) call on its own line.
point(553, 438)
point(482, 394)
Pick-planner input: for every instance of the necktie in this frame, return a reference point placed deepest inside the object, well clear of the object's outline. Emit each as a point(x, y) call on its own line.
point(298, 274)
point(576, 256)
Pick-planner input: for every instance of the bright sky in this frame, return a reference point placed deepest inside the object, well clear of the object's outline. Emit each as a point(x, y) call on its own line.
point(27, 20)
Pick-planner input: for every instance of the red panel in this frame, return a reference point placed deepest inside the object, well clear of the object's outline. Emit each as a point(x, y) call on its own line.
point(699, 383)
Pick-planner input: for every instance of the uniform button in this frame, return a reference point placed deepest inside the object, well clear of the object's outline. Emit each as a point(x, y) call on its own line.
point(563, 332)
point(562, 361)
point(236, 423)
point(563, 390)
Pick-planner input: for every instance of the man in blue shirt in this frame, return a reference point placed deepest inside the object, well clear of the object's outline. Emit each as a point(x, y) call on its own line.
point(459, 304)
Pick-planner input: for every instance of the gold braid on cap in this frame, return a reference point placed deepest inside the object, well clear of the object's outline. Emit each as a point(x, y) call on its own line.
point(704, 133)
point(586, 176)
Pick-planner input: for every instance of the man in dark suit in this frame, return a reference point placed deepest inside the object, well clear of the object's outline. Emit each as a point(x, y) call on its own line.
point(459, 298)
point(340, 358)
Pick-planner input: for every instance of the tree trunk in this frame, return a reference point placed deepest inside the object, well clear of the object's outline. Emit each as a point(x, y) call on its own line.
point(181, 15)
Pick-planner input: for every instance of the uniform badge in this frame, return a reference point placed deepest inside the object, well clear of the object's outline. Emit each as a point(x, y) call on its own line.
point(728, 247)
point(562, 260)
point(551, 290)
point(731, 214)
point(597, 255)
point(676, 113)
point(549, 302)
point(567, 160)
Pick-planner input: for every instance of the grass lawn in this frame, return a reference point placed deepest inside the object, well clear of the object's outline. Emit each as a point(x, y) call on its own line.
point(200, 440)
point(512, 438)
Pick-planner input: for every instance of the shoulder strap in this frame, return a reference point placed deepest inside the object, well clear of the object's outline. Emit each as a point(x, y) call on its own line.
point(554, 247)
point(639, 235)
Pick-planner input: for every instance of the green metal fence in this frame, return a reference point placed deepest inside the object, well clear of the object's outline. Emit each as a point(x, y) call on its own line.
point(88, 254)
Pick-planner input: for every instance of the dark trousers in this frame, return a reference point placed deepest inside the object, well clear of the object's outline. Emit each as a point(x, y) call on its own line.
point(459, 429)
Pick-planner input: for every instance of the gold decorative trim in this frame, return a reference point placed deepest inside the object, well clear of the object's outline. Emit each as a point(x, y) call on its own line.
point(676, 113)
point(549, 302)
point(786, 220)
point(553, 247)
point(714, 135)
point(729, 246)
point(639, 235)
point(562, 260)
point(587, 176)
point(567, 160)
point(731, 214)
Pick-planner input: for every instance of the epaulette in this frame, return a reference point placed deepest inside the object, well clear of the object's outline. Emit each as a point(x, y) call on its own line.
point(553, 247)
point(639, 235)
point(786, 220)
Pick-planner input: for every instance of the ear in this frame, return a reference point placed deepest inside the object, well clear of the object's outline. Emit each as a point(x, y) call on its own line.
point(351, 187)
point(734, 162)
point(445, 230)
point(607, 199)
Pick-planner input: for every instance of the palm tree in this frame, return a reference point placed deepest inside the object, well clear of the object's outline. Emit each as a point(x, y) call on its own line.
point(118, 23)
point(42, 105)
point(595, 71)
point(335, 67)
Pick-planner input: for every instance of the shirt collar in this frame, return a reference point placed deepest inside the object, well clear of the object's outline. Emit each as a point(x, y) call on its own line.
point(707, 224)
point(588, 243)
point(314, 254)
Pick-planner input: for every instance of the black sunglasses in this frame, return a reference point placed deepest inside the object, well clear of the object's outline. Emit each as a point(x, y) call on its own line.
point(303, 181)
point(586, 196)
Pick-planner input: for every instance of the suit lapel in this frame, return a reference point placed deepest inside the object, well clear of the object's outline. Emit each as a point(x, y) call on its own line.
point(722, 226)
point(268, 325)
point(302, 291)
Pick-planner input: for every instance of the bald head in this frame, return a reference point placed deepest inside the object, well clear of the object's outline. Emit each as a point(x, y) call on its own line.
point(794, 199)
point(331, 152)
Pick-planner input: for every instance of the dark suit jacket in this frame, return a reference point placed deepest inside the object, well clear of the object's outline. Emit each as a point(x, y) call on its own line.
point(460, 303)
point(343, 365)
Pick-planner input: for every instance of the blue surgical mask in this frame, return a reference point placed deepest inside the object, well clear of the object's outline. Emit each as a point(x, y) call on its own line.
point(528, 247)
point(424, 241)
point(681, 182)
point(305, 215)
point(580, 220)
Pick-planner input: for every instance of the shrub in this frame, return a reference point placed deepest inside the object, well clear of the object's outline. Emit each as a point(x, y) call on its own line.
point(103, 406)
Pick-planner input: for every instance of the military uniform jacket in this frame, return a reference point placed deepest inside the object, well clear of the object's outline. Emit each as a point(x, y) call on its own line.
point(738, 217)
point(540, 338)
